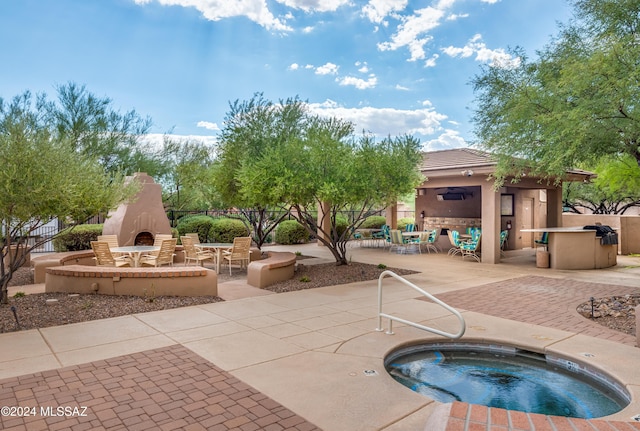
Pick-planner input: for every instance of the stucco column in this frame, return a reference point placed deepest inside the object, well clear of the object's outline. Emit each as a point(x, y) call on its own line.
point(324, 224)
point(490, 242)
point(554, 207)
point(391, 214)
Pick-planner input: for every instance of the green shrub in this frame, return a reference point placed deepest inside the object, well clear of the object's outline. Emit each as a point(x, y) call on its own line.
point(200, 224)
point(373, 222)
point(77, 238)
point(403, 222)
point(291, 232)
point(226, 229)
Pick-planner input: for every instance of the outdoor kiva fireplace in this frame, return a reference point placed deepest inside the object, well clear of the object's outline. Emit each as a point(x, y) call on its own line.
point(138, 222)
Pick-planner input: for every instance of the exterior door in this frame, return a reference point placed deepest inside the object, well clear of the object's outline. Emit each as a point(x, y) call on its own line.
point(527, 222)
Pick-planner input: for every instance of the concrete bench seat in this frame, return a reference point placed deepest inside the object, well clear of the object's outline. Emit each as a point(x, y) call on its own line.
point(41, 263)
point(278, 266)
point(82, 257)
point(147, 281)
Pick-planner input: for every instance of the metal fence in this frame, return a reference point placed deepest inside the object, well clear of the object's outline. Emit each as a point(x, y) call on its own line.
point(52, 228)
point(176, 215)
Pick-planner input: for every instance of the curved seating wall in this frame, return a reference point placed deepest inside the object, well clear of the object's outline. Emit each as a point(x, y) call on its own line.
point(278, 266)
point(161, 281)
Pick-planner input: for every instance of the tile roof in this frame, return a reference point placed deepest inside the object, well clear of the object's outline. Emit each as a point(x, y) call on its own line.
point(463, 158)
point(455, 159)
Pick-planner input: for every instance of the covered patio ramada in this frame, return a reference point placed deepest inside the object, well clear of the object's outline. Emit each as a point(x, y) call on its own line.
point(458, 193)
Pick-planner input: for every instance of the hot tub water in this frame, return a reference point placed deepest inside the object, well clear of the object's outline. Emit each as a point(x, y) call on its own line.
point(505, 378)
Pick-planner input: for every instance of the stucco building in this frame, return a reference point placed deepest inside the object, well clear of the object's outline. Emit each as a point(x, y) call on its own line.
point(458, 193)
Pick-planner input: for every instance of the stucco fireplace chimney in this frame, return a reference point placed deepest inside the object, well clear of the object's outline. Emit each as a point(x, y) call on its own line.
point(138, 222)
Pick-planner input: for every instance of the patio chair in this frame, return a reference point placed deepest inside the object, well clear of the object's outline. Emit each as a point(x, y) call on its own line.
point(422, 240)
point(433, 240)
point(192, 253)
point(504, 235)
point(112, 240)
point(164, 255)
point(196, 238)
point(454, 239)
point(428, 238)
point(397, 241)
point(410, 227)
point(239, 252)
point(157, 240)
point(543, 241)
point(470, 248)
point(382, 235)
point(355, 238)
point(104, 257)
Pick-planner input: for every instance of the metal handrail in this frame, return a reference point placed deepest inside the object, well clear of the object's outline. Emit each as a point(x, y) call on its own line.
point(391, 318)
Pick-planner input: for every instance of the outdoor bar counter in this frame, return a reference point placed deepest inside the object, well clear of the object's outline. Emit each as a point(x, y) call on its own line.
point(577, 248)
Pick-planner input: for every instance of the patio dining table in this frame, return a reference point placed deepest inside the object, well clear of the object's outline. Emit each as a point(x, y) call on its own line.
point(414, 234)
point(368, 234)
point(218, 247)
point(135, 251)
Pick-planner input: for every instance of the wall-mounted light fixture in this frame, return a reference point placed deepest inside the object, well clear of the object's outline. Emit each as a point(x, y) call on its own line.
point(466, 173)
point(422, 192)
point(421, 214)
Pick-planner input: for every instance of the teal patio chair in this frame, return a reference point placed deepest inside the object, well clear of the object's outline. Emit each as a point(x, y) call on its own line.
point(454, 239)
point(470, 248)
point(381, 236)
point(543, 241)
point(504, 236)
point(433, 240)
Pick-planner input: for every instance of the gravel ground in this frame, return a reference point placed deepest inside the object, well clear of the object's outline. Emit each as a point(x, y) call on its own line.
point(41, 311)
point(617, 312)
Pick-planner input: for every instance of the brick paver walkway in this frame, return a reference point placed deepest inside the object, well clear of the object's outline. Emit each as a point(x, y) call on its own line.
point(541, 301)
point(163, 389)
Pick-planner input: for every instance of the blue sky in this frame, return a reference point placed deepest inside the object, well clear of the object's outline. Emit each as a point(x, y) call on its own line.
point(390, 66)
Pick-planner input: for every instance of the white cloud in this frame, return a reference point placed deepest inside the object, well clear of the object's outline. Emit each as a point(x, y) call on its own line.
point(431, 62)
point(412, 32)
point(363, 66)
point(360, 84)
point(455, 17)
point(208, 125)
point(215, 10)
point(308, 29)
point(490, 1)
point(495, 57)
point(377, 10)
point(327, 69)
point(384, 121)
point(448, 139)
point(401, 87)
point(314, 5)
point(294, 66)
point(463, 52)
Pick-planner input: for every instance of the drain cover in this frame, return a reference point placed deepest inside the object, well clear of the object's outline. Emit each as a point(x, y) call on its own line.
point(370, 373)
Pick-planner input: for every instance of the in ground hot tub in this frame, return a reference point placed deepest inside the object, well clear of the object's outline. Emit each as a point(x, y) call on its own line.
point(508, 378)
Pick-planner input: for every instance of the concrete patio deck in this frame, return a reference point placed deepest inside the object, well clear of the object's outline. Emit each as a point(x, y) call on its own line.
point(303, 360)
